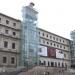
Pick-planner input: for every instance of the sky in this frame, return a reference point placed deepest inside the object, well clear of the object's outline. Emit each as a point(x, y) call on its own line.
point(56, 16)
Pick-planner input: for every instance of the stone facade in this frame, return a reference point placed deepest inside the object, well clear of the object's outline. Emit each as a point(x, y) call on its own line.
point(10, 35)
point(51, 40)
point(9, 41)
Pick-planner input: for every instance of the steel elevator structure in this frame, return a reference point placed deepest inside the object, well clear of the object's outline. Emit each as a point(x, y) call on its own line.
point(29, 37)
point(72, 48)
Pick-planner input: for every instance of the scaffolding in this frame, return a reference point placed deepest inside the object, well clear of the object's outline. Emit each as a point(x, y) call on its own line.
point(30, 38)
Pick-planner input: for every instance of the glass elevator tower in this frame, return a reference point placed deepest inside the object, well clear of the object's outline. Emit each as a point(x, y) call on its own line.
point(72, 44)
point(29, 57)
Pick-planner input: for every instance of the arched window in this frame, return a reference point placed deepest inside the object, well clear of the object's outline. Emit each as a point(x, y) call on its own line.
point(55, 64)
point(48, 63)
point(58, 64)
point(44, 63)
point(62, 65)
point(52, 64)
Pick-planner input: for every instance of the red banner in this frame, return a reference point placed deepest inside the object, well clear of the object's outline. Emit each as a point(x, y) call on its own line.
point(51, 52)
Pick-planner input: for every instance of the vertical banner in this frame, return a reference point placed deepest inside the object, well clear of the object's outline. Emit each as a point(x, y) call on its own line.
point(59, 54)
point(51, 52)
point(42, 51)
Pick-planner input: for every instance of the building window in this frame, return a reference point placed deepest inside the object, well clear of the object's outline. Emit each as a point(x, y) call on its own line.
point(50, 37)
point(7, 22)
point(48, 63)
point(12, 60)
point(52, 64)
point(57, 45)
point(64, 55)
point(64, 47)
point(14, 24)
point(44, 63)
point(47, 42)
point(62, 65)
point(39, 32)
point(58, 64)
point(55, 64)
point(51, 43)
point(4, 59)
point(0, 19)
point(56, 39)
point(6, 31)
point(63, 41)
point(60, 40)
point(14, 33)
point(13, 45)
point(47, 35)
point(54, 44)
point(5, 44)
point(43, 34)
point(60, 46)
point(60, 51)
point(53, 38)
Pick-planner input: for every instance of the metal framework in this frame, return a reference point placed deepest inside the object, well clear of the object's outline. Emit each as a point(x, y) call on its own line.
point(30, 38)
